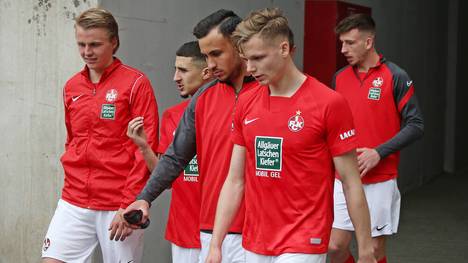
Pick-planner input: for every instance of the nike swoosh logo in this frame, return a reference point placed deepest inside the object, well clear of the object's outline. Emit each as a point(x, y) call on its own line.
point(250, 121)
point(76, 98)
point(380, 228)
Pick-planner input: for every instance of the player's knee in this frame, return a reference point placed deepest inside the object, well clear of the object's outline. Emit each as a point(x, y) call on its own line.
point(337, 247)
point(379, 247)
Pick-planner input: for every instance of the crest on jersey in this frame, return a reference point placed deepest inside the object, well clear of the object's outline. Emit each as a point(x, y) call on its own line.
point(46, 244)
point(111, 95)
point(377, 83)
point(296, 122)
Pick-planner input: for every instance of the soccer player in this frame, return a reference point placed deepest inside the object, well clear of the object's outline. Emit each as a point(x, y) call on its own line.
point(387, 118)
point(104, 170)
point(289, 136)
point(182, 229)
point(205, 130)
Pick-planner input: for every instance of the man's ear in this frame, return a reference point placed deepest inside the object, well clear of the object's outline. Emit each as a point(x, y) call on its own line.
point(285, 48)
point(206, 74)
point(370, 41)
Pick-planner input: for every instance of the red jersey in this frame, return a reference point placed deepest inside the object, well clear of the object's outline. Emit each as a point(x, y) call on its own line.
point(289, 171)
point(385, 113)
point(103, 169)
point(204, 130)
point(213, 120)
point(183, 222)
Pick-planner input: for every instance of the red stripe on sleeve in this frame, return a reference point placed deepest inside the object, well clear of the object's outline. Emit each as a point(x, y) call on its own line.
point(405, 98)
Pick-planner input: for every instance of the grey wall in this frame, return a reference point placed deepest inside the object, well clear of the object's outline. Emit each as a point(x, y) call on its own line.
point(38, 54)
point(461, 97)
point(151, 32)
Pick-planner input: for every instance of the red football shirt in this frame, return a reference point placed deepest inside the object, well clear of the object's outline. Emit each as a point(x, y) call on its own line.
point(289, 173)
point(213, 121)
point(380, 100)
point(183, 222)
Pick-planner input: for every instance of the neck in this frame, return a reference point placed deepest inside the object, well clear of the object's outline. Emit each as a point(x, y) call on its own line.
point(371, 60)
point(237, 79)
point(289, 82)
point(96, 74)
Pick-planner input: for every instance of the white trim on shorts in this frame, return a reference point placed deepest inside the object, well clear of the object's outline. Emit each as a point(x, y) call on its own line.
point(74, 233)
point(383, 200)
point(252, 257)
point(231, 250)
point(184, 255)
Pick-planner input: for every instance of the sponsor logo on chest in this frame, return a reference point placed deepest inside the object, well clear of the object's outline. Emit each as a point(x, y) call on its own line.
point(375, 91)
point(191, 171)
point(268, 156)
point(108, 111)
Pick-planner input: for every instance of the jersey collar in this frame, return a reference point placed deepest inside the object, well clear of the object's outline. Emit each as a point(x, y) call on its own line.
point(115, 64)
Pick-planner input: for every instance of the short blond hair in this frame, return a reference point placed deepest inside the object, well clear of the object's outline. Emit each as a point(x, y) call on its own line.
point(268, 23)
point(99, 18)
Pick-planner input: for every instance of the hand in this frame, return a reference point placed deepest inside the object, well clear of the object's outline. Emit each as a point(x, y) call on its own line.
point(368, 158)
point(214, 255)
point(138, 205)
point(136, 132)
point(119, 228)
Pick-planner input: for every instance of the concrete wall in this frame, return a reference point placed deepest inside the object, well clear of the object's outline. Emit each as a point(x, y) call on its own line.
point(151, 32)
point(38, 54)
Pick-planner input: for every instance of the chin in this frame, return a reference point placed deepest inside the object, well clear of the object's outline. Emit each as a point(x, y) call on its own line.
point(223, 77)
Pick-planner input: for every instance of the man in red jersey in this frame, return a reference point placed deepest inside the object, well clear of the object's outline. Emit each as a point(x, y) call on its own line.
point(104, 171)
point(182, 229)
point(387, 118)
point(289, 136)
point(205, 130)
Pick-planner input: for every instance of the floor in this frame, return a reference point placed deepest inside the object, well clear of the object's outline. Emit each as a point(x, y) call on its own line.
point(433, 223)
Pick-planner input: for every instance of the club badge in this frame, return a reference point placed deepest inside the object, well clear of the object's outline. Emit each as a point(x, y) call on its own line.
point(111, 95)
point(296, 122)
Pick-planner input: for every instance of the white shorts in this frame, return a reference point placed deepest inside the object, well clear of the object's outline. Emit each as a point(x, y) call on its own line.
point(231, 250)
point(285, 258)
point(383, 200)
point(184, 255)
point(74, 233)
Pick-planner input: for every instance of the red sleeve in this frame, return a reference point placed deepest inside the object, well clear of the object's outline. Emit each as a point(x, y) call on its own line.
point(236, 135)
point(340, 133)
point(167, 130)
point(142, 103)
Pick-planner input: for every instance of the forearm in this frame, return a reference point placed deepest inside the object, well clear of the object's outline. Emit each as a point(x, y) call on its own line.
point(161, 178)
point(346, 165)
point(150, 157)
point(407, 135)
point(230, 197)
point(229, 201)
point(359, 213)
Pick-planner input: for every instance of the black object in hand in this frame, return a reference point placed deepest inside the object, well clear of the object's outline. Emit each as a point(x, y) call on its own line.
point(134, 217)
